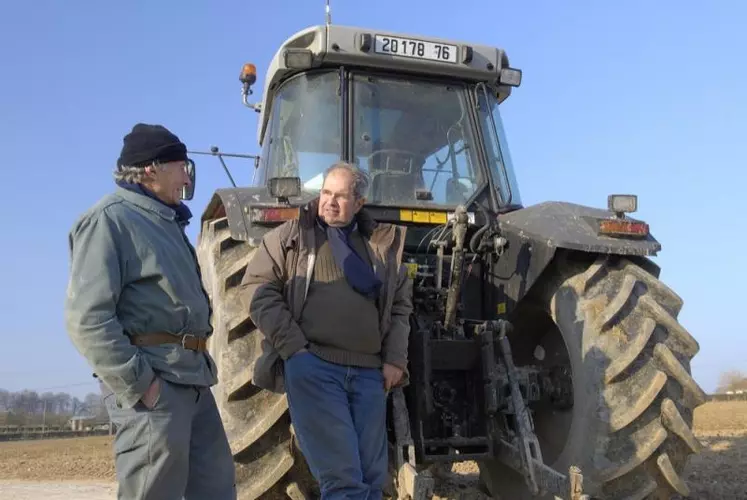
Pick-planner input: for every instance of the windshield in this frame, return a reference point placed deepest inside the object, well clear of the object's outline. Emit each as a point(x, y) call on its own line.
point(414, 139)
point(303, 135)
point(496, 147)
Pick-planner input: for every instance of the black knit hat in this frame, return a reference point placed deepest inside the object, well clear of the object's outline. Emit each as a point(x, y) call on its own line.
point(148, 143)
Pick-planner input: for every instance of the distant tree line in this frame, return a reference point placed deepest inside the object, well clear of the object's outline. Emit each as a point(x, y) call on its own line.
point(51, 408)
point(732, 381)
point(55, 408)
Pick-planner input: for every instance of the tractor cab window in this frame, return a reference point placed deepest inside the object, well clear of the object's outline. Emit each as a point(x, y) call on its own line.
point(496, 147)
point(415, 140)
point(303, 135)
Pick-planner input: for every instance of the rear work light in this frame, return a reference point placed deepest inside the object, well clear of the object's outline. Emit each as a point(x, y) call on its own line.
point(622, 203)
point(274, 214)
point(510, 76)
point(621, 227)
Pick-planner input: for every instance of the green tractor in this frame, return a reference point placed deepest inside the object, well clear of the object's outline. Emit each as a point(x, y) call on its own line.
point(543, 346)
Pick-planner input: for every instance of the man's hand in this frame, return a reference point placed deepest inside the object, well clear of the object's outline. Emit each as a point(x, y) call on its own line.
point(151, 395)
point(392, 376)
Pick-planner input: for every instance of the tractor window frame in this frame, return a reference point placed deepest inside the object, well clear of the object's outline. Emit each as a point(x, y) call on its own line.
point(269, 152)
point(495, 147)
point(476, 155)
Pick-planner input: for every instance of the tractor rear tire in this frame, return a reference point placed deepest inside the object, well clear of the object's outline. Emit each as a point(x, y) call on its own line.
point(268, 464)
point(613, 323)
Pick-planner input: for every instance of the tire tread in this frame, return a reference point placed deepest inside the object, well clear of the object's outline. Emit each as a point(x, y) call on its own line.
point(256, 420)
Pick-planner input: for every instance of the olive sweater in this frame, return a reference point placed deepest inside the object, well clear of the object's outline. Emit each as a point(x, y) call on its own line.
point(341, 325)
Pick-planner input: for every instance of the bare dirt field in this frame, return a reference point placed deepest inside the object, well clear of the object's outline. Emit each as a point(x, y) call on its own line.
point(82, 468)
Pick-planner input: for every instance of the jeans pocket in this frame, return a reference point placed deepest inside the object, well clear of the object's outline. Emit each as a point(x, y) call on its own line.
point(298, 356)
point(296, 363)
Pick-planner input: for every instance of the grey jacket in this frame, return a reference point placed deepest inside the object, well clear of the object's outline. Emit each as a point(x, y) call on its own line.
point(133, 271)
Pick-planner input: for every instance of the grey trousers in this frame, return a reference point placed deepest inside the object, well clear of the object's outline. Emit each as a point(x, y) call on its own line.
point(176, 450)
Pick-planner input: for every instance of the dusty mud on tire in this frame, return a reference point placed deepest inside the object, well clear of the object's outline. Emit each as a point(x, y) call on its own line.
point(630, 429)
point(268, 464)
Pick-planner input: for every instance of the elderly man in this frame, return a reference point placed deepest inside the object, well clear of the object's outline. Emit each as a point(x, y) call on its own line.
point(137, 312)
point(331, 297)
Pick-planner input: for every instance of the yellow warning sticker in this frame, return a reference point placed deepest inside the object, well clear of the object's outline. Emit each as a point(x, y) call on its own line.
point(418, 216)
point(501, 308)
point(423, 216)
point(438, 217)
point(412, 269)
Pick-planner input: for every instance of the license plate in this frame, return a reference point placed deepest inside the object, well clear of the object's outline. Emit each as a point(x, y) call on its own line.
point(417, 49)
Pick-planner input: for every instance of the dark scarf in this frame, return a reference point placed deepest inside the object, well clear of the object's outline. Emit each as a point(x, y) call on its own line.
point(183, 213)
point(358, 273)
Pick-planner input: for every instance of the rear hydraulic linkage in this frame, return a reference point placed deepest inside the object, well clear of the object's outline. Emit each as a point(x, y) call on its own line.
point(523, 453)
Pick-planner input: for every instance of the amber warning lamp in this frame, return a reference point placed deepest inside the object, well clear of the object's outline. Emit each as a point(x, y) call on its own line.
point(620, 225)
point(247, 77)
point(248, 74)
point(274, 214)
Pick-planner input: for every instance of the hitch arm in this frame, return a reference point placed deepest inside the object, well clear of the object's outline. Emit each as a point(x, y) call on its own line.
point(525, 455)
point(529, 448)
point(549, 480)
point(457, 264)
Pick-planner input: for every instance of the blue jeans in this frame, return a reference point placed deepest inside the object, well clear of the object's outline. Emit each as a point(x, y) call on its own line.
point(339, 415)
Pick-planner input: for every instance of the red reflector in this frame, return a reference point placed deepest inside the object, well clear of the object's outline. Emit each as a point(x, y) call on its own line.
point(274, 214)
point(613, 227)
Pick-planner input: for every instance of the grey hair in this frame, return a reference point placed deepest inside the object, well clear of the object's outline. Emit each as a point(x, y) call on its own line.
point(360, 177)
point(133, 175)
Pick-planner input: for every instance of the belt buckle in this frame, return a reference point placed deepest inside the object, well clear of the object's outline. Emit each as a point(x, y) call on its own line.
point(184, 339)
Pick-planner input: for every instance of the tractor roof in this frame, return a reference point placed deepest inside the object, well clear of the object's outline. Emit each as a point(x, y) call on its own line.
point(333, 45)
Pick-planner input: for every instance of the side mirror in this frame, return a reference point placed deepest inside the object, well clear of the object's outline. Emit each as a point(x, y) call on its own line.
point(189, 191)
point(284, 187)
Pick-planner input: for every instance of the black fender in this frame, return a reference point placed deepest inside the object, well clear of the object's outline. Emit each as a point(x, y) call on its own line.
point(535, 233)
point(236, 205)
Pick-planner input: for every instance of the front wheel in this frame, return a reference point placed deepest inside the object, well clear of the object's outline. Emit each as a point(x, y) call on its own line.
point(613, 325)
point(268, 463)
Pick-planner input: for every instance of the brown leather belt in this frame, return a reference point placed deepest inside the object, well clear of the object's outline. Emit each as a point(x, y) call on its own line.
point(187, 341)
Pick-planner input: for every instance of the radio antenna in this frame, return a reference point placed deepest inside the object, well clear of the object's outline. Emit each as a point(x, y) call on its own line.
point(329, 15)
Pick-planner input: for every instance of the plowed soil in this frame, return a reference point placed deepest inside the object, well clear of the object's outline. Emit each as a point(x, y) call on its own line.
point(83, 468)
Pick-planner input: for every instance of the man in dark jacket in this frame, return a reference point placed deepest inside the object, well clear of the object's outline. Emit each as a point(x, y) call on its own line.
point(137, 312)
point(332, 299)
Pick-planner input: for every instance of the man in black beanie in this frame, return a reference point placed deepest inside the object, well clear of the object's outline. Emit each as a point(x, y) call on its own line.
point(137, 312)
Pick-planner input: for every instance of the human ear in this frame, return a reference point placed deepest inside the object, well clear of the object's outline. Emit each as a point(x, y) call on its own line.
point(151, 171)
point(359, 204)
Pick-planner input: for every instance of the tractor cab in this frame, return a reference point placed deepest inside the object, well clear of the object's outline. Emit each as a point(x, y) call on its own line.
point(420, 116)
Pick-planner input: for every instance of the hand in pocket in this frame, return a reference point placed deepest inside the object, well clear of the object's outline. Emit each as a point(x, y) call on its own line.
point(150, 398)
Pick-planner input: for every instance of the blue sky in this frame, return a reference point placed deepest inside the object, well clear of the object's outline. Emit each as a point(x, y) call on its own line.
point(636, 96)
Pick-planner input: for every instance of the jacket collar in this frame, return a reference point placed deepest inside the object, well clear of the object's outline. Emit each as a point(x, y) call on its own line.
point(146, 199)
point(146, 203)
